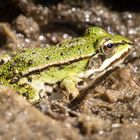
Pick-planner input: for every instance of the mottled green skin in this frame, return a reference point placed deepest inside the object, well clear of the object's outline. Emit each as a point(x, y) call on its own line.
point(28, 58)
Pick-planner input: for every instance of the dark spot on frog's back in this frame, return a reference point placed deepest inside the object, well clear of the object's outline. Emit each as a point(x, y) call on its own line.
point(30, 62)
point(14, 80)
point(22, 51)
point(29, 79)
point(1, 74)
point(47, 58)
point(62, 53)
point(16, 60)
point(95, 43)
point(10, 68)
point(33, 52)
point(1, 62)
point(19, 59)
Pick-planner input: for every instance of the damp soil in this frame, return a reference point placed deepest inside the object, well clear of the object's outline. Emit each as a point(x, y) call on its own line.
point(109, 110)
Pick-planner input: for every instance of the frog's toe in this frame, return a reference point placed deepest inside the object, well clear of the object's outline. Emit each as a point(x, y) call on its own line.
point(70, 95)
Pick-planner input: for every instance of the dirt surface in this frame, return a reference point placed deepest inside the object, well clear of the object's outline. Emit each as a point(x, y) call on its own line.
point(107, 111)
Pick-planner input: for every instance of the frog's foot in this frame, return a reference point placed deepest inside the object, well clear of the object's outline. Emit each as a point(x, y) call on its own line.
point(71, 87)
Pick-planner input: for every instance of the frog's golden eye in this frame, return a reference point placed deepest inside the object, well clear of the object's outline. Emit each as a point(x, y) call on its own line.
point(106, 45)
point(110, 45)
point(107, 48)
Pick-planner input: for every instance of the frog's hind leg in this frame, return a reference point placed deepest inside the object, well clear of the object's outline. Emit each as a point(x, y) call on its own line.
point(71, 87)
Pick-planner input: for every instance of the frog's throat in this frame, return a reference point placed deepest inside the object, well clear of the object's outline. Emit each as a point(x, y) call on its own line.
point(107, 64)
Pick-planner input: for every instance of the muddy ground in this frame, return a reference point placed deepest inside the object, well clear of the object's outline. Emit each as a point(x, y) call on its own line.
point(109, 110)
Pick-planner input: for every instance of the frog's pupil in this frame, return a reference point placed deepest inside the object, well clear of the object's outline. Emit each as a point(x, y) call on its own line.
point(110, 45)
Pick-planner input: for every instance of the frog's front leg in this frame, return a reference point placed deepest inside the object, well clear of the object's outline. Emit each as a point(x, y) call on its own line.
point(71, 86)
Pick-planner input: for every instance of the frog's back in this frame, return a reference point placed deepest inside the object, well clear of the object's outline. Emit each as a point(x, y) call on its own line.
point(67, 51)
point(52, 58)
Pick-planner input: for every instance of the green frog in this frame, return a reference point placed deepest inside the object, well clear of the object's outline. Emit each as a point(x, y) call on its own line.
point(65, 69)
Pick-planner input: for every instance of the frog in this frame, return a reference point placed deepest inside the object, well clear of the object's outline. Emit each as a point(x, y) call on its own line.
point(65, 69)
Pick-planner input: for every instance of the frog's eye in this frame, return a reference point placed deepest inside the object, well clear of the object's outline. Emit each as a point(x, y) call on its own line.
point(107, 48)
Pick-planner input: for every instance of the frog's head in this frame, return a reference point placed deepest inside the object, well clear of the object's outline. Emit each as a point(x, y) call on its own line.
point(114, 49)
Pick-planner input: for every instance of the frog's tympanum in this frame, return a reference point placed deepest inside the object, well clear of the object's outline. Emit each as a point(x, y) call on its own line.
point(68, 68)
